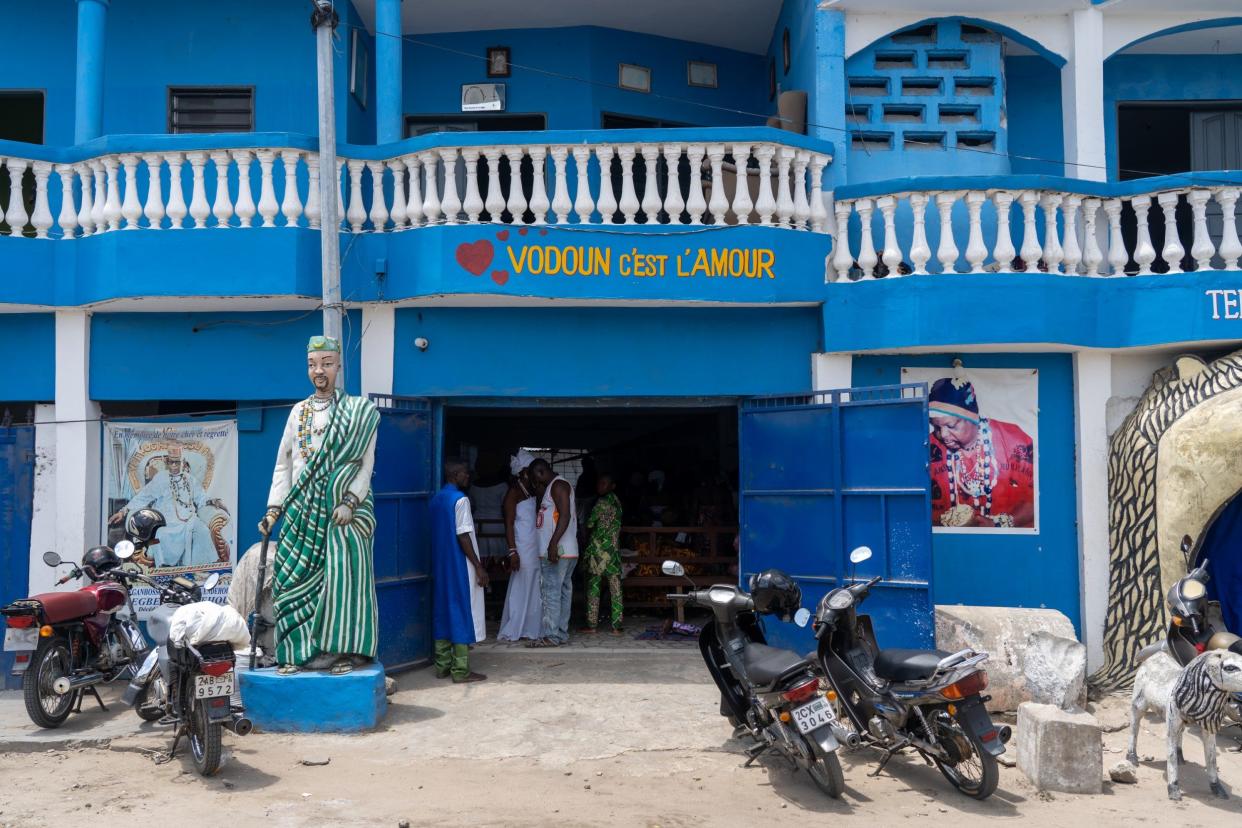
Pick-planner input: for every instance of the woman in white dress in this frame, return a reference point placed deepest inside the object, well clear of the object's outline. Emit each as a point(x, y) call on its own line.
point(523, 605)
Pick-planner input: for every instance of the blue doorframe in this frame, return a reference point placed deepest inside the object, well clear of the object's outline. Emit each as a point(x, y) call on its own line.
point(825, 472)
point(17, 455)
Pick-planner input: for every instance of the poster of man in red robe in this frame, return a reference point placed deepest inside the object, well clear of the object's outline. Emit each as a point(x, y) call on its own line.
point(983, 428)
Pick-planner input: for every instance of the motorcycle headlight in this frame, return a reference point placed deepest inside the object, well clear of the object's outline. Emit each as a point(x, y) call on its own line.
point(841, 599)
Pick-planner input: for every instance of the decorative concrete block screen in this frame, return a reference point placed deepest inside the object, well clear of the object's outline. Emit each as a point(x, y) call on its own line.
point(936, 89)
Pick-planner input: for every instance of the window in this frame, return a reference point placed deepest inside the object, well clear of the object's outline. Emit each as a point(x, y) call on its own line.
point(210, 109)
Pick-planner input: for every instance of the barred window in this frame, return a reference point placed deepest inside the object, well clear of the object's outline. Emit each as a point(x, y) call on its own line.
point(210, 109)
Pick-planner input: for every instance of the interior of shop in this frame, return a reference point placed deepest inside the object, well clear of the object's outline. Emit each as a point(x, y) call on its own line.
point(675, 471)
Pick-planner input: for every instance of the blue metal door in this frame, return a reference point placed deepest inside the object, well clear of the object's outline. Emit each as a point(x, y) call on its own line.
point(16, 507)
point(826, 472)
point(402, 486)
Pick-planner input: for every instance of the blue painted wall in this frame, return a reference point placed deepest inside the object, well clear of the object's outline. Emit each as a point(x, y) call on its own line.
point(1033, 108)
point(634, 351)
point(259, 430)
point(359, 120)
point(1165, 78)
point(1011, 570)
point(434, 75)
point(42, 57)
point(219, 356)
point(798, 16)
point(28, 342)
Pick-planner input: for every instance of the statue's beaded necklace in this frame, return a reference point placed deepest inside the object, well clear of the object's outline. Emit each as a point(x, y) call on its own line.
point(306, 423)
point(979, 480)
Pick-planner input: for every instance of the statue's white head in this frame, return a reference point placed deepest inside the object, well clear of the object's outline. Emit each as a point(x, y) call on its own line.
point(1225, 670)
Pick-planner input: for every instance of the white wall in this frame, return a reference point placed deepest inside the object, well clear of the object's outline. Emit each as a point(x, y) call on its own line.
point(43, 518)
point(1131, 374)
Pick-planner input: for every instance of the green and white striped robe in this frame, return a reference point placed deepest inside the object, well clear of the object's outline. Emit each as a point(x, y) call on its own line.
point(324, 584)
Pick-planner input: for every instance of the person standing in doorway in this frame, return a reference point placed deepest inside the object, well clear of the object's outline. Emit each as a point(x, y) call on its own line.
point(603, 554)
point(458, 577)
point(523, 615)
point(557, 525)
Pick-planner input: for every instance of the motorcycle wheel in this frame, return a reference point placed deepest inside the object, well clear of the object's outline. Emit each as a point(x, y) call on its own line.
point(976, 773)
point(205, 739)
point(46, 707)
point(147, 709)
point(826, 773)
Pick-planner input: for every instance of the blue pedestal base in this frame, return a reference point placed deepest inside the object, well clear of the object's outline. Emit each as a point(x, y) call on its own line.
point(314, 702)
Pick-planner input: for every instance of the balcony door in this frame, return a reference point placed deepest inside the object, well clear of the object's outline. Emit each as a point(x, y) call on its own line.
point(21, 119)
point(1216, 144)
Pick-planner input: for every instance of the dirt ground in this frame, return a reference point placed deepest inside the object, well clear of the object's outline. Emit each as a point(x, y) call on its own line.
point(625, 738)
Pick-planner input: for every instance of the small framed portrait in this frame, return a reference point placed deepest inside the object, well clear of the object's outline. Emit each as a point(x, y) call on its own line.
point(702, 74)
point(634, 78)
point(771, 79)
point(785, 49)
point(498, 61)
point(358, 68)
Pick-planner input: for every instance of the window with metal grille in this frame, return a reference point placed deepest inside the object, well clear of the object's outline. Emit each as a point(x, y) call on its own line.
point(210, 109)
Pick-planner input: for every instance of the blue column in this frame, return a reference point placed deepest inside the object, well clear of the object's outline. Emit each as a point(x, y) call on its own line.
point(88, 91)
point(828, 102)
point(388, 106)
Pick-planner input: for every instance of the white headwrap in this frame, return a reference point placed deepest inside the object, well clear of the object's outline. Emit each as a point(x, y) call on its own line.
point(520, 461)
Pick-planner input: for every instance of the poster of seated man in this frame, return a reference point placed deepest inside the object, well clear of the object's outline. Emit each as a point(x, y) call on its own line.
point(983, 428)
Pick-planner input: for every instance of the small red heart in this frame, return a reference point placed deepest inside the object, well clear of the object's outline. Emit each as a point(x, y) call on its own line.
point(475, 256)
point(503, 235)
point(543, 232)
point(523, 232)
point(500, 276)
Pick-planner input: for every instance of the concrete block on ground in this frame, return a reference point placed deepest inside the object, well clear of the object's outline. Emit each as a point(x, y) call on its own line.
point(314, 701)
point(1059, 750)
point(1005, 633)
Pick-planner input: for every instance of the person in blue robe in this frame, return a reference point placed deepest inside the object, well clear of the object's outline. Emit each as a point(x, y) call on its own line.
point(458, 579)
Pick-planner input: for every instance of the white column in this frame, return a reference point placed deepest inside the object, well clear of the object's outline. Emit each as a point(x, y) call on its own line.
point(43, 519)
point(77, 438)
point(832, 371)
point(1082, 97)
point(1093, 380)
point(379, 325)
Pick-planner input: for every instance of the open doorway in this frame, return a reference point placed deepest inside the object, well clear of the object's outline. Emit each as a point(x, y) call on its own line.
point(676, 474)
point(1222, 549)
point(21, 119)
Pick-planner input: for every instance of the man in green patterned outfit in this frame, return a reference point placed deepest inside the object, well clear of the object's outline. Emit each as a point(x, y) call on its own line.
point(603, 554)
point(323, 589)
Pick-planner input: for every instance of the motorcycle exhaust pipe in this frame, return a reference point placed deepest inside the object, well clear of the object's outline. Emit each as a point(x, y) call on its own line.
point(1005, 732)
point(67, 684)
point(239, 724)
point(846, 737)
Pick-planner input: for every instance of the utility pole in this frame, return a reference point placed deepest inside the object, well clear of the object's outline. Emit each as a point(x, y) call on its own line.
point(324, 20)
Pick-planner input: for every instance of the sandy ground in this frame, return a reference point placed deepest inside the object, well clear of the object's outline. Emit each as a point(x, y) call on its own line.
point(562, 737)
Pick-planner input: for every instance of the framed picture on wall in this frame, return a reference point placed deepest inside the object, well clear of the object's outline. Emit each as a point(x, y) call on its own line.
point(498, 61)
point(358, 68)
point(634, 78)
point(771, 79)
point(702, 74)
point(785, 49)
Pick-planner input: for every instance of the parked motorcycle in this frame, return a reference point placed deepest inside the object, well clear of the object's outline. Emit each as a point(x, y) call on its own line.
point(191, 687)
point(68, 643)
point(897, 699)
point(774, 695)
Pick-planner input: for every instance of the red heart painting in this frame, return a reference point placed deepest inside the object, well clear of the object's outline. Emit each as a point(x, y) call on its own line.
point(500, 276)
point(475, 256)
point(503, 235)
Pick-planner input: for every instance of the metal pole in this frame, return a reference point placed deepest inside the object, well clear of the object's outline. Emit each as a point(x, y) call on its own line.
point(324, 20)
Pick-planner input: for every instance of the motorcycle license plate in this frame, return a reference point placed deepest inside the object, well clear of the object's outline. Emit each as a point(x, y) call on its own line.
point(813, 716)
point(26, 639)
point(210, 687)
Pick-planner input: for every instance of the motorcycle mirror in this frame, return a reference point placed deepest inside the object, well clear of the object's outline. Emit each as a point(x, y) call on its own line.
point(860, 554)
point(51, 559)
point(124, 549)
point(802, 616)
point(672, 568)
point(212, 580)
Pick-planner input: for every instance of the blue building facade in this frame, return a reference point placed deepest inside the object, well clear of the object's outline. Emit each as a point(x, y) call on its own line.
point(696, 206)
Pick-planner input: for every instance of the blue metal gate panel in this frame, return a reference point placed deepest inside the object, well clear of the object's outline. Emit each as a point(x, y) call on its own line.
point(402, 486)
point(16, 507)
point(825, 472)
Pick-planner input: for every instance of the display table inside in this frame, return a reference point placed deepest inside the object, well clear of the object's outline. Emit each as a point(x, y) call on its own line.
point(314, 701)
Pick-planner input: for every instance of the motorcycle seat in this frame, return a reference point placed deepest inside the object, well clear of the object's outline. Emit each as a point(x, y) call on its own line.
point(66, 606)
point(765, 665)
point(907, 665)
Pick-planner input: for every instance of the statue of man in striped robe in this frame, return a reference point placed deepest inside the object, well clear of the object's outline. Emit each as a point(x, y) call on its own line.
point(323, 587)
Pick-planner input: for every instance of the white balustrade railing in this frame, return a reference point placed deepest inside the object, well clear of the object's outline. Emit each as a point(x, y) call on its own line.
point(1012, 230)
point(638, 183)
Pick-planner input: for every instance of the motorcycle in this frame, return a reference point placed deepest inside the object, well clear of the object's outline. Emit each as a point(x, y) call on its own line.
point(69, 643)
point(773, 695)
point(897, 699)
point(181, 684)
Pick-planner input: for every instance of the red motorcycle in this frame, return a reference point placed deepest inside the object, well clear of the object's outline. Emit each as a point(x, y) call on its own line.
point(66, 643)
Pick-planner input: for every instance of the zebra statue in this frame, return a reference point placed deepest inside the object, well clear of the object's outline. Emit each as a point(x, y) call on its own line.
point(1195, 696)
point(1136, 613)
